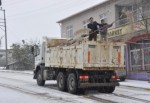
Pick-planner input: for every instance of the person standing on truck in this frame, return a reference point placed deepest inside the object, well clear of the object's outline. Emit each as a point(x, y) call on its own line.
point(103, 30)
point(94, 29)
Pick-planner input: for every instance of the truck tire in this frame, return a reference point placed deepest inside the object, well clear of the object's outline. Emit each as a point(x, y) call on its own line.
point(102, 89)
point(81, 91)
point(61, 81)
point(40, 80)
point(122, 79)
point(111, 89)
point(106, 89)
point(72, 83)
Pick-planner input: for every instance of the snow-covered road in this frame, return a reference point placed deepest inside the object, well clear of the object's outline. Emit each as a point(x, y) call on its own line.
point(21, 88)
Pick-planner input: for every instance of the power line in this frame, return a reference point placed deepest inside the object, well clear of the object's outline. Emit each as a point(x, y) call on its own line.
point(10, 2)
point(52, 6)
point(57, 5)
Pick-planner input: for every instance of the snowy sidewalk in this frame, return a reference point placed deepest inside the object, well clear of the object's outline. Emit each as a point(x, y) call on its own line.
point(136, 84)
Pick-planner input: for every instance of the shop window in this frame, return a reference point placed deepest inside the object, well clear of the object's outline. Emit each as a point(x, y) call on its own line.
point(134, 46)
point(140, 55)
point(147, 56)
point(136, 57)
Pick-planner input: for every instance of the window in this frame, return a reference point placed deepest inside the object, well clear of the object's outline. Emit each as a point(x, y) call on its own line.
point(103, 16)
point(69, 31)
point(85, 23)
point(140, 55)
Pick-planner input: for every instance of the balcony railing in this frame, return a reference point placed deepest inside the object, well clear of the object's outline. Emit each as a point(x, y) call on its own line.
point(136, 22)
point(135, 16)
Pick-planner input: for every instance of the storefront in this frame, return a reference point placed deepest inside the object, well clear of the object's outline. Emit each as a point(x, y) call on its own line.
point(139, 57)
point(137, 50)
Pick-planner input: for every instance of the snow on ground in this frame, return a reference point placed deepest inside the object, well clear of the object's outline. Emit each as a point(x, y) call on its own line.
point(134, 92)
point(16, 71)
point(17, 97)
point(24, 80)
point(130, 83)
point(116, 99)
point(136, 83)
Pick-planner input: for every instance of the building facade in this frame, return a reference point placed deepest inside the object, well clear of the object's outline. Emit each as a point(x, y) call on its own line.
point(2, 58)
point(131, 25)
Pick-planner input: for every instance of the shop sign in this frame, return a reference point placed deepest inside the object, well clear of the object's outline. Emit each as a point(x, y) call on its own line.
point(119, 31)
point(140, 25)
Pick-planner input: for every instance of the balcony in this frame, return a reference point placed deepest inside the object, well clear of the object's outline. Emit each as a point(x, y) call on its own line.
point(130, 26)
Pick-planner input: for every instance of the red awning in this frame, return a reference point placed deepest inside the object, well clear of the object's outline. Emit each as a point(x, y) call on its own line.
point(140, 37)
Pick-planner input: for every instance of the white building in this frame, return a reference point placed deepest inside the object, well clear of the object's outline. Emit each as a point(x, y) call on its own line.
point(131, 25)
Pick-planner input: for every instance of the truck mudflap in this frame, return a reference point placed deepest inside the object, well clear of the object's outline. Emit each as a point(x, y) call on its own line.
point(88, 85)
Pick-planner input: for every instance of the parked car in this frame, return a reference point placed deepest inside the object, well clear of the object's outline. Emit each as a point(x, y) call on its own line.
point(121, 74)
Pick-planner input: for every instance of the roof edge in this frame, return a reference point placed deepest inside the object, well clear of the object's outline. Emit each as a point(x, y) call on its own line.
point(82, 11)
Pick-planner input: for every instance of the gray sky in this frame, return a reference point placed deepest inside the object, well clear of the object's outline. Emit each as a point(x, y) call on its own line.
point(31, 19)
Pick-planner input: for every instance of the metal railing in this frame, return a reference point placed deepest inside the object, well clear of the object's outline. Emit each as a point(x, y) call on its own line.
point(134, 17)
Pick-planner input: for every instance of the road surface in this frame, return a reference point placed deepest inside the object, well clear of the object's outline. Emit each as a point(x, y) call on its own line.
point(22, 88)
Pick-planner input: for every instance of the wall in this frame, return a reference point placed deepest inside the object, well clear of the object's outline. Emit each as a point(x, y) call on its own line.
point(76, 21)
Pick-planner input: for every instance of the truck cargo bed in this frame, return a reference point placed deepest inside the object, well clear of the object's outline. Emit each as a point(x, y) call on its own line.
point(89, 55)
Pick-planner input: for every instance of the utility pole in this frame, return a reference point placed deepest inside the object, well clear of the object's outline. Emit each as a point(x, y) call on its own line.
point(6, 39)
point(5, 35)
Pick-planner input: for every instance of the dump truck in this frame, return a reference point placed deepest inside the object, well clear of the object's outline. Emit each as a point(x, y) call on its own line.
point(79, 66)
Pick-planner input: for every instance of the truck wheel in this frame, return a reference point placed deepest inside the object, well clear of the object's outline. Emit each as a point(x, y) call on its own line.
point(122, 79)
point(61, 81)
point(40, 80)
point(106, 89)
point(102, 89)
point(111, 89)
point(81, 91)
point(72, 83)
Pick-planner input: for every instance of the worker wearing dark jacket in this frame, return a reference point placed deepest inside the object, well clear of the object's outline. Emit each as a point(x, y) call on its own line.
point(94, 30)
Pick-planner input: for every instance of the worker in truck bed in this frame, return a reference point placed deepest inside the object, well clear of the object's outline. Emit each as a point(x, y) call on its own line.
point(103, 30)
point(94, 29)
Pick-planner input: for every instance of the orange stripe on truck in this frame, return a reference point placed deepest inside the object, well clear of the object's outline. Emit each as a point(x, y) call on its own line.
point(89, 56)
point(119, 56)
